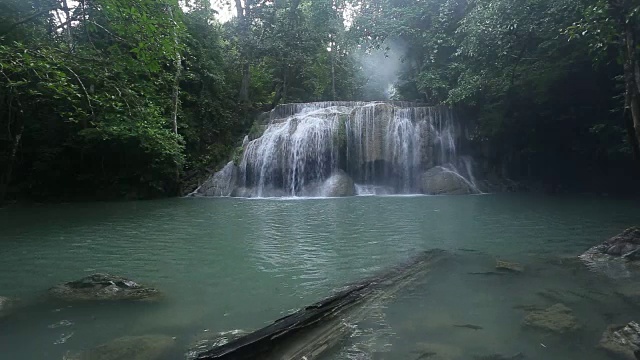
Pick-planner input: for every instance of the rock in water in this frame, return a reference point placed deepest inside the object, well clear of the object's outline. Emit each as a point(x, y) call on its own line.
point(6, 305)
point(148, 347)
point(441, 181)
point(509, 266)
point(622, 340)
point(557, 318)
point(221, 183)
point(99, 287)
point(613, 256)
point(625, 244)
point(339, 185)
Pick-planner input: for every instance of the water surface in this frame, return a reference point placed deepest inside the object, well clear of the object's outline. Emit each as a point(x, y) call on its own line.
point(240, 263)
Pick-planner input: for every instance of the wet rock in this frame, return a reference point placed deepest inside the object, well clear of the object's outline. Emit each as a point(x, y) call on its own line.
point(209, 340)
point(339, 185)
point(221, 183)
point(148, 347)
point(509, 266)
point(557, 318)
point(622, 340)
point(434, 351)
point(99, 287)
point(625, 245)
point(441, 181)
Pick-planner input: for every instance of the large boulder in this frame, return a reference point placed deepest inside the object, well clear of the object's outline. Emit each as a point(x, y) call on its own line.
point(148, 347)
point(622, 340)
point(221, 183)
point(441, 181)
point(557, 318)
point(99, 287)
point(338, 185)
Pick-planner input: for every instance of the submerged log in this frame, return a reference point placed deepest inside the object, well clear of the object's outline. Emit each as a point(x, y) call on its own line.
point(316, 328)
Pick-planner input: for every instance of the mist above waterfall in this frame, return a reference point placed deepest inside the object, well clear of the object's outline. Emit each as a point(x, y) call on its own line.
point(381, 68)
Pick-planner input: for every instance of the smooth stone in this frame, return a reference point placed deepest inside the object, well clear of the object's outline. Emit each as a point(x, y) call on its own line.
point(557, 318)
point(147, 347)
point(622, 340)
point(100, 287)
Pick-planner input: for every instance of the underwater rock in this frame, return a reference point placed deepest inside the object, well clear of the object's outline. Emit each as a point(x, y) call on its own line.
point(6, 306)
point(147, 347)
point(339, 185)
point(557, 318)
point(209, 340)
point(518, 356)
point(622, 340)
point(434, 351)
point(221, 183)
point(509, 266)
point(440, 181)
point(629, 293)
point(99, 287)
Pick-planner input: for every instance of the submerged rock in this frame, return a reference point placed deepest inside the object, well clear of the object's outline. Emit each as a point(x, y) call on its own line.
point(622, 340)
point(221, 183)
point(518, 356)
point(441, 181)
point(98, 287)
point(557, 318)
point(339, 185)
point(148, 347)
point(6, 306)
point(434, 351)
point(509, 266)
point(209, 340)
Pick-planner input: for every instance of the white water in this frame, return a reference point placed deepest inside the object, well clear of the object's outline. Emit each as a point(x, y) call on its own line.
point(384, 147)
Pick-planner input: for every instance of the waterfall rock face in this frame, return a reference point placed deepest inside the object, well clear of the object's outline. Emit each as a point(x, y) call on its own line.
point(221, 183)
point(336, 148)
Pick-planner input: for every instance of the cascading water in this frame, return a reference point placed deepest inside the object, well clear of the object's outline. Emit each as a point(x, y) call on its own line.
point(349, 148)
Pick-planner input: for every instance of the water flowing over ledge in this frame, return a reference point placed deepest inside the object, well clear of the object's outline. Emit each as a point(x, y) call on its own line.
point(332, 149)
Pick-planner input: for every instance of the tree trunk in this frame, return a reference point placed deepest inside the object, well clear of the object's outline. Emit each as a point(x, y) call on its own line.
point(632, 91)
point(333, 70)
point(175, 96)
point(243, 19)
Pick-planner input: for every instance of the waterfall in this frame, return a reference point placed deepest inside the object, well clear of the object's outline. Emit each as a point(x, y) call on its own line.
point(365, 148)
